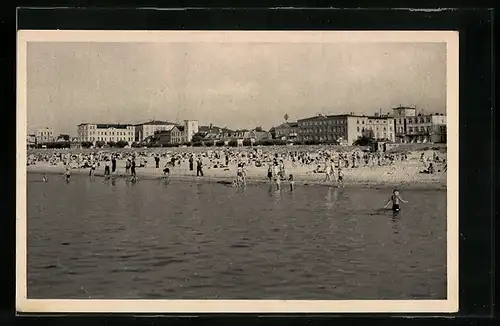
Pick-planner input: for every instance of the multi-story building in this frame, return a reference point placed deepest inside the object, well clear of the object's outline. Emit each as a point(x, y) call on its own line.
point(346, 128)
point(400, 115)
point(190, 128)
point(31, 139)
point(331, 128)
point(426, 129)
point(92, 132)
point(148, 129)
point(380, 128)
point(174, 135)
point(287, 130)
point(44, 135)
point(411, 127)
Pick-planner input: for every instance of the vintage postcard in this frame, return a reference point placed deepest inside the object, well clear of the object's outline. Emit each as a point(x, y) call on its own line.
point(237, 171)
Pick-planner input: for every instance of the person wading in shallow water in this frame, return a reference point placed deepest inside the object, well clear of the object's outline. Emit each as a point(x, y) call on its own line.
point(113, 164)
point(132, 168)
point(191, 163)
point(395, 199)
point(199, 167)
point(157, 161)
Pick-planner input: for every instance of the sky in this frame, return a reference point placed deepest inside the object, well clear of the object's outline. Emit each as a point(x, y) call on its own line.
point(234, 85)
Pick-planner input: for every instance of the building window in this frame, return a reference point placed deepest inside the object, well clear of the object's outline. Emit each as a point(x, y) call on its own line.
point(410, 129)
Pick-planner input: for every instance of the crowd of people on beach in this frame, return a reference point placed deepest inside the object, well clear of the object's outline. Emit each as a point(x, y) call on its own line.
point(325, 161)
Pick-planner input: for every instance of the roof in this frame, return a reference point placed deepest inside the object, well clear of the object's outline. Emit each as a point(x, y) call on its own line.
point(323, 117)
point(379, 117)
point(155, 123)
point(112, 125)
point(404, 108)
point(108, 125)
point(287, 125)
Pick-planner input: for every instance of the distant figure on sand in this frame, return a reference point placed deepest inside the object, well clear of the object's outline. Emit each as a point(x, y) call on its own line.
point(44, 178)
point(429, 170)
point(395, 199)
point(292, 183)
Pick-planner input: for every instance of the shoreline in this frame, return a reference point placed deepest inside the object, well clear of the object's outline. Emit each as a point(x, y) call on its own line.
point(300, 180)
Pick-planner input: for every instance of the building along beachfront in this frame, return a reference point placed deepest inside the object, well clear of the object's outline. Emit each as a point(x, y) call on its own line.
point(94, 132)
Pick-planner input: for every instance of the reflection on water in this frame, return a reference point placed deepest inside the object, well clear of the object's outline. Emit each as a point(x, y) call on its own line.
point(97, 238)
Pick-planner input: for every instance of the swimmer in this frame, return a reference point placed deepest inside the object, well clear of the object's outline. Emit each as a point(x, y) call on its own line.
point(395, 198)
point(67, 174)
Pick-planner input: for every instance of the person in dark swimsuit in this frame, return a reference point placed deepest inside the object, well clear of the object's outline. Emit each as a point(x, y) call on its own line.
point(395, 199)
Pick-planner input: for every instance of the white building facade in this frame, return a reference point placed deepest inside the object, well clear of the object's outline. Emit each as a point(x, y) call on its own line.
point(148, 129)
point(89, 132)
point(44, 135)
point(190, 128)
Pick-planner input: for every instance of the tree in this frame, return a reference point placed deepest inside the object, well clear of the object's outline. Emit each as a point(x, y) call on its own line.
point(111, 143)
point(286, 117)
point(198, 137)
point(258, 129)
point(99, 143)
point(219, 143)
point(247, 142)
point(86, 144)
point(364, 141)
point(64, 136)
point(121, 144)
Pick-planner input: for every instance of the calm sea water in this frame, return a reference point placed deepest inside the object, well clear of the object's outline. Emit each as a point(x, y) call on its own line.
point(105, 240)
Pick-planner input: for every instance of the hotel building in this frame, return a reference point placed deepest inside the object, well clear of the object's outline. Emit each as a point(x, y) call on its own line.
point(148, 129)
point(44, 135)
point(419, 128)
point(345, 128)
point(91, 132)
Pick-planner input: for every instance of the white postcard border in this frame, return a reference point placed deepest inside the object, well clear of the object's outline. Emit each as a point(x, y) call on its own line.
point(450, 305)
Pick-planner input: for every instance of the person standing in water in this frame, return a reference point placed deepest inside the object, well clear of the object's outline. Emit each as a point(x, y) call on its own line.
point(67, 175)
point(395, 199)
point(113, 164)
point(157, 161)
point(270, 173)
point(106, 168)
point(132, 168)
point(292, 183)
point(199, 167)
point(127, 165)
point(191, 163)
point(340, 178)
point(44, 178)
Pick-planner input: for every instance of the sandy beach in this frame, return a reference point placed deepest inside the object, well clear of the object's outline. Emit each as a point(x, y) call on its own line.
point(401, 175)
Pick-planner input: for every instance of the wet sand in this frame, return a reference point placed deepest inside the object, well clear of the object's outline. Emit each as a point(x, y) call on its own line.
point(402, 174)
